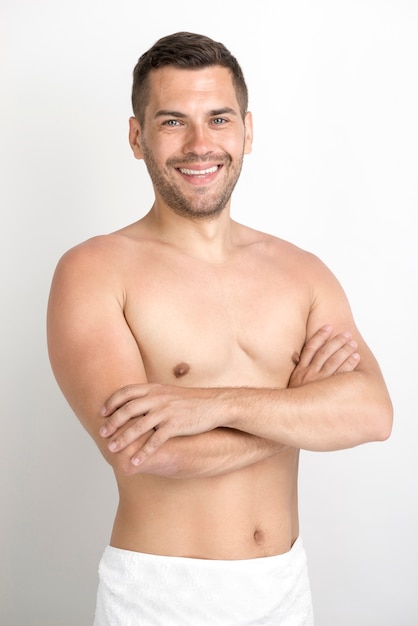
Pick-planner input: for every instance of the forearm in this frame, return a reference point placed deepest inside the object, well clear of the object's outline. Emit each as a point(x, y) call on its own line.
point(331, 403)
point(335, 413)
point(219, 451)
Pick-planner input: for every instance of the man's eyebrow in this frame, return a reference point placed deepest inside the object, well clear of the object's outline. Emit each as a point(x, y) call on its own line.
point(178, 114)
point(168, 113)
point(227, 110)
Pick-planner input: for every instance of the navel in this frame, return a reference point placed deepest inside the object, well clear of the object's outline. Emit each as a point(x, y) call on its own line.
point(258, 536)
point(181, 370)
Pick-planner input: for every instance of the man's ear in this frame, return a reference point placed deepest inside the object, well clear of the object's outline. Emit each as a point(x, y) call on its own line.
point(248, 145)
point(135, 138)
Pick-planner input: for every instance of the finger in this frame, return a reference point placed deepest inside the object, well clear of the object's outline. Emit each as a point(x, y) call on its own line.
point(152, 445)
point(126, 436)
point(122, 415)
point(311, 347)
point(333, 353)
point(134, 429)
point(350, 364)
point(333, 356)
point(123, 396)
point(122, 440)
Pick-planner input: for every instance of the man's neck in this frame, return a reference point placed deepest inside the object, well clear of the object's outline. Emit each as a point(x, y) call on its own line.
point(208, 239)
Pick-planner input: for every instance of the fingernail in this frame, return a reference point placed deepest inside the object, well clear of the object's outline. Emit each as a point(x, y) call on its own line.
point(103, 431)
point(112, 446)
point(327, 327)
point(135, 461)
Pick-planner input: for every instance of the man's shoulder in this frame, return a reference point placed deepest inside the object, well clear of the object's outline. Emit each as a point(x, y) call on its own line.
point(100, 248)
point(275, 246)
point(96, 263)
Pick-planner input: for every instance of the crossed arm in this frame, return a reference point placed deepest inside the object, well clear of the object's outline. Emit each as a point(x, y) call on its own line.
point(219, 449)
point(223, 449)
point(277, 417)
point(333, 400)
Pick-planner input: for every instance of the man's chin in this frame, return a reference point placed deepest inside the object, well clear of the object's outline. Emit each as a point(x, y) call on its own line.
point(198, 207)
point(198, 213)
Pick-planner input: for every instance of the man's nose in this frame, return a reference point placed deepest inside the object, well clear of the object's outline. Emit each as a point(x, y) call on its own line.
point(198, 140)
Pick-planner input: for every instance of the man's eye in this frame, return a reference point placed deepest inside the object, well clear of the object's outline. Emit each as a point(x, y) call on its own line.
point(171, 123)
point(219, 120)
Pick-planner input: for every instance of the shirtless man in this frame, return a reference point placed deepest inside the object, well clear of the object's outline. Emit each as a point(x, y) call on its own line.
point(201, 356)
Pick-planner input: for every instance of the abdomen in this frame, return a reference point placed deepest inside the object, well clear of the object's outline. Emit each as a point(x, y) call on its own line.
point(244, 514)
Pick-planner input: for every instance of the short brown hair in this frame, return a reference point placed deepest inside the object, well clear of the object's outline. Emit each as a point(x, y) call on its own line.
point(187, 51)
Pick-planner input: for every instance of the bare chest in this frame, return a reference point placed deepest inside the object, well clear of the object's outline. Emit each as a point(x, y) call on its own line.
point(203, 326)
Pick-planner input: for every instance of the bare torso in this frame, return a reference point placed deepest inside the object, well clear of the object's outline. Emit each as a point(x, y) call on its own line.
point(203, 323)
point(188, 297)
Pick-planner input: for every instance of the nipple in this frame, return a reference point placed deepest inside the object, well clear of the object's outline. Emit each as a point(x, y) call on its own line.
point(181, 370)
point(295, 358)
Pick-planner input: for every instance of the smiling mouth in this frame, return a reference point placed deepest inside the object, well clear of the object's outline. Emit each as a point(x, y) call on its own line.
point(206, 172)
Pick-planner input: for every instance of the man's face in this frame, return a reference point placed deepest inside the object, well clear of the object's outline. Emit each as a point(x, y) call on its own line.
point(193, 139)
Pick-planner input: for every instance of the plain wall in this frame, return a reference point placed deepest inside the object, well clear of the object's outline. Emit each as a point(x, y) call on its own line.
point(333, 90)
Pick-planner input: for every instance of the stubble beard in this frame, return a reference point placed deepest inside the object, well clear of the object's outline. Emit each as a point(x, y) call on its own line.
point(202, 205)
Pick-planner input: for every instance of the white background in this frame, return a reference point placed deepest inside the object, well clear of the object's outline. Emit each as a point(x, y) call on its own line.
point(333, 90)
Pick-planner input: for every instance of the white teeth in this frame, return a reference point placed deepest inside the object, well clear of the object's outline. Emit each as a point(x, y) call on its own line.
point(210, 170)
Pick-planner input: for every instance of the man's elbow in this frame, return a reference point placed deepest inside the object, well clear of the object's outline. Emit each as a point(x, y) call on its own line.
point(382, 421)
point(385, 430)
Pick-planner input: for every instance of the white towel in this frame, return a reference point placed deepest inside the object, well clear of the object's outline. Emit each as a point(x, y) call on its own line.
point(137, 589)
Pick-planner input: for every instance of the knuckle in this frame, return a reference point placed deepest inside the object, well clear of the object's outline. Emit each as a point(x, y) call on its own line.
point(111, 424)
point(339, 341)
point(323, 351)
point(126, 390)
point(154, 443)
point(117, 398)
point(138, 427)
point(124, 413)
point(346, 350)
point(308, 351)
point(134, 430)
point(126, 408)
point(118, 442)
